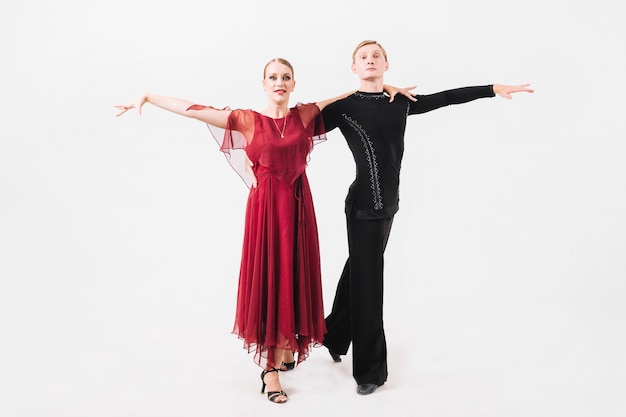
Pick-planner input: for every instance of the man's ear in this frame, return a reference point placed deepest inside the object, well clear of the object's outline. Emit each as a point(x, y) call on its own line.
point(353, 67)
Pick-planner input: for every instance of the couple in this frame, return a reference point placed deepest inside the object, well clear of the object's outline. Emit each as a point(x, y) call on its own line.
point(279, 312)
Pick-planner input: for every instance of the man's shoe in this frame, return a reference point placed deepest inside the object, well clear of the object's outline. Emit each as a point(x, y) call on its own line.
point(336, 357)
point(365, 389)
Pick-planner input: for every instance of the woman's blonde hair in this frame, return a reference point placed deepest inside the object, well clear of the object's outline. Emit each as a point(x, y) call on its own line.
point(282, 61)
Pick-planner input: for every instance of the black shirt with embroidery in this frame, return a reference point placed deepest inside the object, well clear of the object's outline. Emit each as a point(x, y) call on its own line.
point(374, 130)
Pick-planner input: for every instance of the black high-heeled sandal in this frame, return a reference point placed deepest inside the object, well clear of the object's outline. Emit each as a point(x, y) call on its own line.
point(287, 366)
point(272, 395)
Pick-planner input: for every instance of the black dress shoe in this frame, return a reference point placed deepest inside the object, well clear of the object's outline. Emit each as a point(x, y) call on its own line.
point(364, 389)
point(336, 357)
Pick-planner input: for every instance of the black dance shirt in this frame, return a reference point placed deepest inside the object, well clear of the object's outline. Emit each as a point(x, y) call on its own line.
point(374, 130)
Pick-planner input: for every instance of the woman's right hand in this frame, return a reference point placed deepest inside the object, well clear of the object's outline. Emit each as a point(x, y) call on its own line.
point(135, 104)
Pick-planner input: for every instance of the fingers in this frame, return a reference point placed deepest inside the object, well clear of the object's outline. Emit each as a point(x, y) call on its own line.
point(507, 91)
point(124, 109)
point(521, 88)
point(407, 92)
point(404, 91)
point(249, 168)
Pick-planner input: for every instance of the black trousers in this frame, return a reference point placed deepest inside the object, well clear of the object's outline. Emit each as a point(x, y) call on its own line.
point(357, 313)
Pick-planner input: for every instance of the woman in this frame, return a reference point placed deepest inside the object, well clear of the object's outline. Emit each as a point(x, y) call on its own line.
point(279, 303)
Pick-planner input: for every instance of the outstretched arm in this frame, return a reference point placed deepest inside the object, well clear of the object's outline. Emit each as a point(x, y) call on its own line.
point(323, 103)
point(389, 89)
point(506, 91)
point(502, 90)
point(179, 106)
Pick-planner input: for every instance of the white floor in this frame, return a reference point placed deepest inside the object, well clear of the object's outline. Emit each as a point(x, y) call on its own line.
point(160, 356)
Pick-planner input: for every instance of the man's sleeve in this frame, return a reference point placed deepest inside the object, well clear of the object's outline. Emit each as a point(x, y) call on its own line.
point(426, 103)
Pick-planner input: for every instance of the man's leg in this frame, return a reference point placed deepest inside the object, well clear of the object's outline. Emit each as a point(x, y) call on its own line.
point(368, 241)
point(339, 331)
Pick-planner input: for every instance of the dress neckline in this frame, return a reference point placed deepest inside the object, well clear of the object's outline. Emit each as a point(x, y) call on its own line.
point(274, 118)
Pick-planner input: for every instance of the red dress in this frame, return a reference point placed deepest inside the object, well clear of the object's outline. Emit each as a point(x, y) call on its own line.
point(279, 296)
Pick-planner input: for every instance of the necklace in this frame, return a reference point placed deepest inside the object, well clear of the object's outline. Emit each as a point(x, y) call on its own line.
point(282, 133)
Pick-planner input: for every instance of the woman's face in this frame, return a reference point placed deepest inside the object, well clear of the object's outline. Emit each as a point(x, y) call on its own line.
point(278, 82)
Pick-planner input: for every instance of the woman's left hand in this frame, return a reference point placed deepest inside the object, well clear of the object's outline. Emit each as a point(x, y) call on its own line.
point(392, 91)
point(250, 169)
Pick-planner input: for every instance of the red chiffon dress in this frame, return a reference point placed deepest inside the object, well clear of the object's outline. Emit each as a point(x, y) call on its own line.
point(279, 299)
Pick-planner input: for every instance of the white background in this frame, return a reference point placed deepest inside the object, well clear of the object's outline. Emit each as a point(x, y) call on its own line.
point(120, 237)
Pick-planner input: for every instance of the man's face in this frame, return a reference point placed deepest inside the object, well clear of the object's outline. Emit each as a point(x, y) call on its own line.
point(370, 62)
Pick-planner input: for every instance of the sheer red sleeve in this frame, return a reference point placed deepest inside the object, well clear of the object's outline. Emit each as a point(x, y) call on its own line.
point(313, 121)
point(234, 139)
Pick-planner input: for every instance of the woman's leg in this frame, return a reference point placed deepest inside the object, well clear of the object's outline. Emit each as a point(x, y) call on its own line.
point(270, 378)
point(288, 361)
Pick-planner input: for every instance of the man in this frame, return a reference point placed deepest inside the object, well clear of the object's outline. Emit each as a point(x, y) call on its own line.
point(373, 127)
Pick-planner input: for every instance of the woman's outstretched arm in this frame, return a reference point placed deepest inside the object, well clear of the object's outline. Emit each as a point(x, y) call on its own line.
point(323, 103)
point(206, 114)
point(389, 89)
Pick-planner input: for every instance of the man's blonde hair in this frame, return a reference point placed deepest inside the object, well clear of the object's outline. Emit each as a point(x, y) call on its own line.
point(368, 42)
